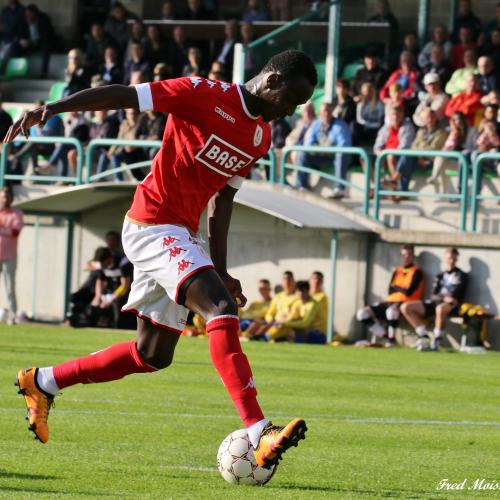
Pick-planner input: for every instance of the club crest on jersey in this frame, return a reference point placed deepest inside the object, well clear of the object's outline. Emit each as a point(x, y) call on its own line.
point(222, 157)
point(257, 137)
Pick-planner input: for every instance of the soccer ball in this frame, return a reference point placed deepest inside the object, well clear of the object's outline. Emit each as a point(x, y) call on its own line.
point(236, 461)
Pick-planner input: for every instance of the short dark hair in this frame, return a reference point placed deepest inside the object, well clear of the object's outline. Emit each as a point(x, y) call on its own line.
point(343, 82)
point(265, 281)
point(114, 234)
point(408, 247)
point(102, 253)
point(288, 273)
point(291, 64)
point(302, 286)
point(453, 250)
point(319, 274)
point(32, 8)
point(371, 52)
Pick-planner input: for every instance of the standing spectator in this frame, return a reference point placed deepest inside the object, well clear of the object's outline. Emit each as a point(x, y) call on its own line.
point(297, 136)
point(467, 102)
point(116, 25)
point(178, 50)
point(383, 14)
point(194, 66)
point(467, 19)
point(226, 50)
point(466, 42)
point(137, 62)
point(96, 44)
point(316, 281)
point(430, 137)
point(326, 131)
point(155, 46)
point(76, 75)
point(406, 76)
point(110, 71)
point(168, 11)
point(369, 116)
point(280, 10)
point(196, 11)
point(343, 104)
point(398, 134)
point(457, 82)
point(104, 126)
point(440, 39)
point(487, 80)
point(255, 11)
point(11, 223)
point(448, 292)
point(434, 98)
point(371, 73)
point(12, 27)
point(438, 65)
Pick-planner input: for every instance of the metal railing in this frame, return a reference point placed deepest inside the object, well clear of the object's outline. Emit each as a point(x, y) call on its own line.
point(76, 179)
point(476, 196)
point(271, 163)
point(330, 150)
point(455, 155)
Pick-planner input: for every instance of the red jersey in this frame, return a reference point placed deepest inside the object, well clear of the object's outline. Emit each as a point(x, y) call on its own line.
point(210, 140)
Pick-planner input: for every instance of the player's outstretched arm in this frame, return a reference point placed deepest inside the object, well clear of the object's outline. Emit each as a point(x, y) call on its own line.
point(220, 209)
point(100, 98)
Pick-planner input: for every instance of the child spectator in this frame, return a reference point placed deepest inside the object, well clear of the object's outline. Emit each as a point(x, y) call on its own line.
point(369, 116)
point(343, 104)
point(434, 98)
point(394, 99)
point(490, 116)
point(457, 82)
point(405, 76)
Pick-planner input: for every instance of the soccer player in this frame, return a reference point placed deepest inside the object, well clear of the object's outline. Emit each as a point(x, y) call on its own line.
point(214, 134)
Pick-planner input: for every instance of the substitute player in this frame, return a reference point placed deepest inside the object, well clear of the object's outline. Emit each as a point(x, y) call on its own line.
point(214, 134)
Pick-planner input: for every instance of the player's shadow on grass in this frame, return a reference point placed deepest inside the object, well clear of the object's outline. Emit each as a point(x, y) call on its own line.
point(19, 475)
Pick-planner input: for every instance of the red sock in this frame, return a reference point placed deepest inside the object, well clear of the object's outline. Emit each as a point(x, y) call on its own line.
point(109, 364)
point(233, 367)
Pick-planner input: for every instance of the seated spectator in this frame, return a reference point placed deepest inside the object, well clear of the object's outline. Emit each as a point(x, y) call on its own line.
point(438, 65)
point(395, 98)
point(225, 49)
point(343, 104)
point(12, 27)
point(487, 79)
point(104, 126)
point(110, 71)
point(410, 44)
point(155, 46)
point(279, 132)
point(255, 11)
point(405, 76)
point(466, 18)
point(490, 116)
point(137, 62)
point(430, 137)
point(488, 141)
point(383, 14)
point(252, 59)
point(168, 11)
point(440, 39)
point(460, 138)
point(39, 36)
point(491, 99)
point(406, 285)
point(316, 290)
point(77, 76)
point(492, 48)
point(196, 11)
point(369, 116)
point(162, 71)
point(117, 26)
point(434, 98)
point(127, 154)
point(252, 319)
point(467, 102)
point(326, 131)
point(398, 134)
point(297, 136)
point(494, 24)
point(457, 82)
point(137, 35)
point(217, 72)
point(371, 73)
point(448, 293)
point(150, 127)
point(96, 44)
point(178, 50)
point(194, 66)
point(458, 50)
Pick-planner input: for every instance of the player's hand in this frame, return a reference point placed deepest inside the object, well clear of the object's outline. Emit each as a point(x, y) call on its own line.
point(38, 116)
point(234, 287)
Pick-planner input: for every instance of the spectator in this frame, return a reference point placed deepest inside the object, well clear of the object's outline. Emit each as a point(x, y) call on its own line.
point(76, 75)
point(434, 98)
point(410, 44)
point(494, 24)
point(12, 27)
point(226, 50)
point(406, 76)
point(395, 99)
point(251, 56)
point(279, 132)
point(371, 73)
point(369, 116)
point(326, 131)
point(255, 11)
point(155, 47)
point(110, 71)
point(39, 36)
point(137, 62)
point(194, 66)
point(150, 127)
point(196, 11)
point(490, 116)
point(466, 42)
point(448, 293)
point(104, 126)
point(217, 72)
point(467, 19)
point(440, 39)
point(460, 138)
point(488, 141)
point(487, 80)
point(406, 285)
point(116, 25)
point(438, 65)
point(430, 137)
point(168, 11)
point(297, 136)
point(5, 121)
point(162, 71)
point(316, 281)
point(467, 102)
point(280, 10)
point(457, 82)
point(137, 35)
point(127, 154)
point(492, 48)
point(252, 319)
point(343, 104)
point(96, 44)
point(383, 14)
point(11, 223)
point(398, 134)
point(178, 50)
point(492, 98)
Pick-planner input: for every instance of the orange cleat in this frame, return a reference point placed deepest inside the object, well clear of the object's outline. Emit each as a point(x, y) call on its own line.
point(38, 403)
point(274, 441)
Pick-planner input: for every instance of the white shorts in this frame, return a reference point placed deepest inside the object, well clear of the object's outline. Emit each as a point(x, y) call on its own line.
point(164, 256)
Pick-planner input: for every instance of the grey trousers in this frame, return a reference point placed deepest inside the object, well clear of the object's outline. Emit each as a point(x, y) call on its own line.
point(8, 269)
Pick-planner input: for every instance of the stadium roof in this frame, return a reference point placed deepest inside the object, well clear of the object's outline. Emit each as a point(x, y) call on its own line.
point(281, 203)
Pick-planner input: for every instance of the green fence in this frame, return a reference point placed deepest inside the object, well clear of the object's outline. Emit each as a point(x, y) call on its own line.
point(330, 150)
point(76, 179)
point(454, 155)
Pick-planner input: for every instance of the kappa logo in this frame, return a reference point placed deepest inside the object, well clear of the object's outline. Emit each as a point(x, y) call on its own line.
point(250, 385)
point(211, 83)
point(195, 80)
point(168, 241)
point(183, 265)
point(225, 86)
point(174, 252)
point(257, 137)
point(222, 157)
point(225, 115)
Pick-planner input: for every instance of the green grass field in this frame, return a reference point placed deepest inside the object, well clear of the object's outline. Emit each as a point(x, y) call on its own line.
point(382, 423)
